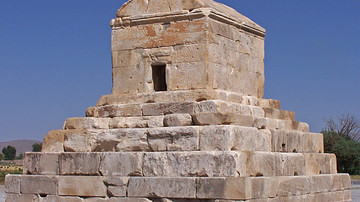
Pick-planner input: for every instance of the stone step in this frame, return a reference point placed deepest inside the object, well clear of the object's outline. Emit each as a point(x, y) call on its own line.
point(184, 96)
point(179, 164)
point(160, 109)
point(295, 141)
point(334, 187)
point(279, 114)
point(278, 124)
point(186, 138)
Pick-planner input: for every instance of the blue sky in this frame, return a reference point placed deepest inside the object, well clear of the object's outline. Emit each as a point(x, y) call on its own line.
point(55, 59)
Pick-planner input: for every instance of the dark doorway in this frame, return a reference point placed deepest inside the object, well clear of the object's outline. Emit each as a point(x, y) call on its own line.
point(158, 76)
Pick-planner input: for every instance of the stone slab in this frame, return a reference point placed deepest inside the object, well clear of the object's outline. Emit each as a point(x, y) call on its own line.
point(89, 186)
point(37, 163)
point(297, 141)
point(193, 163)
point(162, 187)
point(38, 185)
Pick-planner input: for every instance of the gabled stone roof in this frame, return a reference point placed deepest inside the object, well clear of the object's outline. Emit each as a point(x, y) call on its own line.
point(145, 7)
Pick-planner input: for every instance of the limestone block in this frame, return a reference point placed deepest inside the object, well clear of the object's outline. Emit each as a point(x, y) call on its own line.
point(121, 164)
point(162, 187)
point(320, 163)
point(171, 120)
point(277, 124)
point(188, 164)
point(163, 97)
point(53, 141)
point(227, 107)
point(216, 138)
point(313, 142)
point(38, 184)
point(173, 139)
point(79, 163)
point(41, 163)
point(320, 183)
point(117, 186)
point(186, 76)
point(279, 114)
point(269, 103)
point(110, 111)
point(155, 122)
point(87, 123)
point(128, 79)
point(274, 164)
point(116, 191)
point(250, 139)
point(190, 53)
point(136, 122)
point(115, 181)
point(12, 184)
point(130, 139)
point(290, 186)
point(89, 186)
point(116, 199)
point(235, 138)
point(222, 119)
point(296, 141)
point(79, 140)
point(20, 197)
point(224, 188)
point(125, 58)
point(158, 109)
point(341, 182)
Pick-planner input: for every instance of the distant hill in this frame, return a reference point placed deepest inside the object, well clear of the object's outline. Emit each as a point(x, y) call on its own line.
point(20, 145)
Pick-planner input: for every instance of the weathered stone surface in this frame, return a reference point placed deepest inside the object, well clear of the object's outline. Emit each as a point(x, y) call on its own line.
point(121, 164)
point(158, 109)
point(222, 119)
point(162, 187)
point(21, 197)
point(79, 163)
point(88, 186)
point(278, 124)
point(173, 139)
point(235, 138)
point(79, 140)
point(38, 184)
point(295, 141)
point(228, 107)
point(274, 164)
point(109, 111)
point(87, 123)
point(177, 120)
point(137, 122)
point(269, 103)
point(53, 141)
point(279, 114)
point(130, 140)
point(116, 186)
point(41, 163)
point(202, 164)
point(320, 164)
point(12, 184)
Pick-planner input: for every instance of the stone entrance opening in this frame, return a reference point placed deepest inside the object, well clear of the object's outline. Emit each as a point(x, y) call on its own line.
point(159, 77)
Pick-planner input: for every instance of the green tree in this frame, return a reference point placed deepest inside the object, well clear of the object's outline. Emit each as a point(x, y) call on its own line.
point(21, 156)
point(36, 147)
point(9, 152)
point(1, 156)
point(346, 150)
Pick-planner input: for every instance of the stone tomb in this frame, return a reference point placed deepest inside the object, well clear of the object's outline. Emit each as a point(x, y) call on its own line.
point(185, 121)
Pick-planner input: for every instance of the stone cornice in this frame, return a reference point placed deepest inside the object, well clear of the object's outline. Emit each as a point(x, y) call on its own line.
point(168, 17)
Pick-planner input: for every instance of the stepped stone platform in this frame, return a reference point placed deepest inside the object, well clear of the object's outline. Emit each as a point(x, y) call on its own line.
point(186, 121)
